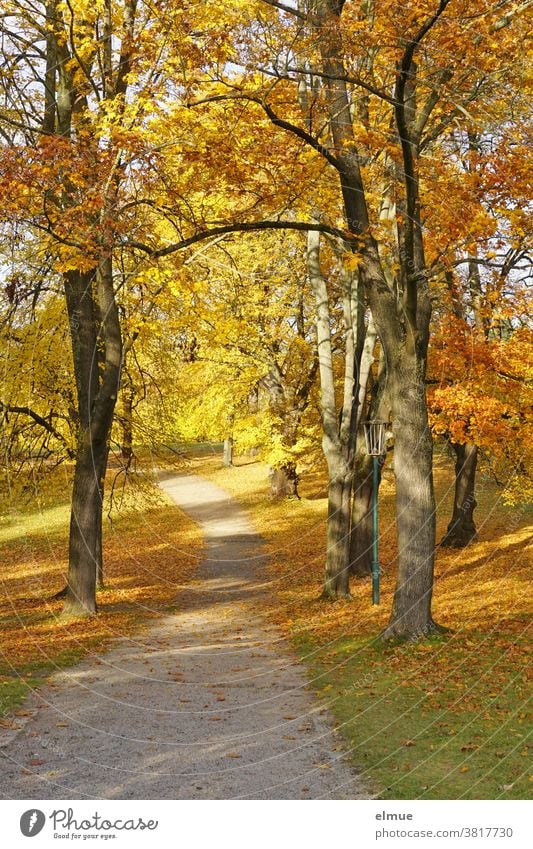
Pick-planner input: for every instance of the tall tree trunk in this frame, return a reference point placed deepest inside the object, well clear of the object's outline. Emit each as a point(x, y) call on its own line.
point(94, 321)
point(85, 513)
point(338, 440)
point(400, 304)
point(227, 452)
point(415, 501)
point(85, 539)
point(337, 571)
point(462, 529)
point(361, 523)
point(92, 310)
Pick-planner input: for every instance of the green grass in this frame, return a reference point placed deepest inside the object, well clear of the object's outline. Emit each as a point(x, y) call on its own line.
point(460, 732)
point(16, 682)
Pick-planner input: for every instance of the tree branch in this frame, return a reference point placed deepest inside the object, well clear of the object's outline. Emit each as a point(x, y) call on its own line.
point(413, 43)
point(27, 411)
point(506, 19)
point(302, 134)
point(345, 78)
point(277, 121)
point(516, 377)
point(242, 227)
point(425, 112)
point(288, 9)
point(404, 91)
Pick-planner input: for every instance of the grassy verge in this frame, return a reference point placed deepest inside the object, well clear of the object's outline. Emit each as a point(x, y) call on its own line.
point(424, 722)
point(444, 718)
point(150, 549)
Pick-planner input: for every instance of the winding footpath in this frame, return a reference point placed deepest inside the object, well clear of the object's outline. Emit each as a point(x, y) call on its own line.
point(207, 703)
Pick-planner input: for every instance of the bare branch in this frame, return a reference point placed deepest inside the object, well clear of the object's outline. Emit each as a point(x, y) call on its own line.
point(27, 411)
point(346, 78)
point(288, 9)
point(240, 227)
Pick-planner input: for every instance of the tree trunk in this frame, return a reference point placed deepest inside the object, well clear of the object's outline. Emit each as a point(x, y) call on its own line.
point(337, 572)
point(95, 330)
point(93, 319)
point(284, 478)
point(126, 449)
point(361, 525)
point(339, 432)
point(415, 502)
point(361, 528)
point(462, 529)
point(401, 308)
point(228, 452)
point(284, 481)
point(99, 542)
point(85, 553)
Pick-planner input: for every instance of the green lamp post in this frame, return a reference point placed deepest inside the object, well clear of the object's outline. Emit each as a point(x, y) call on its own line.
point(375, 432)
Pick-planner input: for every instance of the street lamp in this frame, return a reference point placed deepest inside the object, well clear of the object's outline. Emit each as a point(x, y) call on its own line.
point(375, 445)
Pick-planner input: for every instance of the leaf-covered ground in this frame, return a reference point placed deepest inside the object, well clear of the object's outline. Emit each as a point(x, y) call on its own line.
point(443, 718)
point(151, 550)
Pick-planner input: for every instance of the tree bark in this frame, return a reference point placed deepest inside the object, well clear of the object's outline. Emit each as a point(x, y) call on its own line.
point(337, 571)
point(228, 452)
point(126, 449)
point(284, 481)
point(415, 502)
point(361, 523)
point(94, 323)
point(85, 538)
point(339, 432)
point(462, 529)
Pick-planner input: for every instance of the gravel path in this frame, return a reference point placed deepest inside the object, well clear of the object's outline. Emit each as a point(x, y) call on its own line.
point(208, 703)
